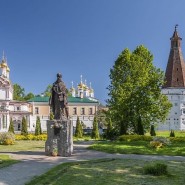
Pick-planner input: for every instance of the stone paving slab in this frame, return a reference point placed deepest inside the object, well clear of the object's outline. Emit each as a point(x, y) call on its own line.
point(37, 163)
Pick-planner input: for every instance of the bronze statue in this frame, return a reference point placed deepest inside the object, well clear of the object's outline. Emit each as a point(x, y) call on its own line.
point(58, 99)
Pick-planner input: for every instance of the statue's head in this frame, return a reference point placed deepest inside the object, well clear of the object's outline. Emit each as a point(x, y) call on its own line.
point(59, 75)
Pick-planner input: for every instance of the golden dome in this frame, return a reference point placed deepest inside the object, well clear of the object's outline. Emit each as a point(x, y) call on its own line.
point(8, 69)
point(3, 64)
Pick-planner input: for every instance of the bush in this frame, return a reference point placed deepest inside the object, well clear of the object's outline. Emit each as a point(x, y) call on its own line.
point(38, 130)
point(152, 131)
point(11, 127)
point(172, 133)
point(177, 139)
point(135, 138)
point(95, 131)
point(24, 130)
point(156, 169)
point(7, 138)
point(42, 137)
point(159, 142)
point(79, 130)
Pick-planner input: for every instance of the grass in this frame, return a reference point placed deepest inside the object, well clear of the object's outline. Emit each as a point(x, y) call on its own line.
point(23, 145)
point(110, 171)
point(139, 147)
point(167, 133)
point(5, 161)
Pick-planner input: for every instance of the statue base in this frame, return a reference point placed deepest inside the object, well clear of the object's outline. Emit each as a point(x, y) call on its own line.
point(60, 138)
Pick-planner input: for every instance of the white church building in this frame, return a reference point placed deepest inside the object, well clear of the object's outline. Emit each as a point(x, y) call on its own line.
point(174, 87)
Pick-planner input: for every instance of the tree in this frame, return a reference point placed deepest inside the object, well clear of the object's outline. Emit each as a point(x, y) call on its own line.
point(11, 127)
point(29, 96)
point(152, 130)
point(47, 92)
point(38, 127)
point(51, 116)
point(95, 130)
point(78, 131)
point(172, 133)
point(135, 91)
point(18, 92)
point(24, 130)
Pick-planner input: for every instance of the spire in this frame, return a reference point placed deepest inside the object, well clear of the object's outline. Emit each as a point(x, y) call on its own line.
point(81, 79)
point(3, 57)
point(72, 84)
point(175, 70)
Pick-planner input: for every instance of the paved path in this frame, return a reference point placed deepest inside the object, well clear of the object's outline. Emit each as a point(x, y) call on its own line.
point(36, 163)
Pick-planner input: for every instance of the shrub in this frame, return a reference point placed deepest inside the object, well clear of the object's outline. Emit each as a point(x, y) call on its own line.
point(11, 128)
point(38, 130)
point(79, 130)
point(7, 138)
point(24, 130)
point(42, 137)
point(172, 133)
point(135, 138)
point(177, 139)
point(152, 131)
point(159, 142)
point(95, 130)
point(156, 169)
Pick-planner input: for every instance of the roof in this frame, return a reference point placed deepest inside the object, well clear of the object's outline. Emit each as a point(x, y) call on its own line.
point(175, 70)
point(70, 99)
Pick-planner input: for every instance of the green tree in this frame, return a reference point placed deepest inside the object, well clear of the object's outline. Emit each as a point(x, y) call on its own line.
point(11, 127)
point(95, 130)
point(24, 130)
point(38, 127)
point(135, 91)
point(18, 92)
point(47, 92)
point(51, 116)
point(152, 130)
point(78, 131)
point(29, 96)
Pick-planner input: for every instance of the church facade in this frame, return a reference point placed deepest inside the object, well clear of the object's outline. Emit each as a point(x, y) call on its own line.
point(10, 109)
point(174, 87)
point(81, 104)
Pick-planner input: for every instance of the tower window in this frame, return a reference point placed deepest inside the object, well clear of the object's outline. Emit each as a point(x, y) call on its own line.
point(74, 111)
point(82, 111)
point(177, 69)
point(177, 79)
point(36, 110)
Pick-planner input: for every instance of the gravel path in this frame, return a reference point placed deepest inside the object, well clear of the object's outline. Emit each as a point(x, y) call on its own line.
point(36, 163)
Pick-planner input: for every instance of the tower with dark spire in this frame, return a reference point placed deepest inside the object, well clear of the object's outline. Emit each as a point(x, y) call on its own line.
point(175, 70)
point(174, 87)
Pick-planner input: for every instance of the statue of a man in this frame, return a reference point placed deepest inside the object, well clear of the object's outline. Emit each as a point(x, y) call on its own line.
point(58, 99)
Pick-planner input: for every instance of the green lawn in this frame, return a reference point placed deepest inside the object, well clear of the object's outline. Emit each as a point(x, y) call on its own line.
point(23, 145)
point(138, 147)
point(167, 133)
point(5, 161)
point(111, 172)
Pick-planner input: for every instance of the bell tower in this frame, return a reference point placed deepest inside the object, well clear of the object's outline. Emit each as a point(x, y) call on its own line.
point(175, 70)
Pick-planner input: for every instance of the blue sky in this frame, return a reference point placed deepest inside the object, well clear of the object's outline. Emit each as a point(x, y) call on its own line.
point(43, 37)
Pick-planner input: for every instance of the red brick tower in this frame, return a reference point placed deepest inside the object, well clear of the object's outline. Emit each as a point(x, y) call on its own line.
point(175, 70)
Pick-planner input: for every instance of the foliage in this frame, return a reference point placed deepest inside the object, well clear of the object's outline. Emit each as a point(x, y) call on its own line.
point(177, 139)
point(29, 96)
point(152, 130)
point(47, 92)
point(7, 138)
point(38, 130)
point(95, 130)
point(79, 130)
point(159, 142)
point(51, 116)
point(140, 129)
point(156, 169)
point(18, 92)
point(24, 130)
point(42, 137)
point(131, 138)
point(172, 133)
point(11, 127)
point(135, 91)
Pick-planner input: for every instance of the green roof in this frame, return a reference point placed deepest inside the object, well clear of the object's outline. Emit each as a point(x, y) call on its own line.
point(70, 99)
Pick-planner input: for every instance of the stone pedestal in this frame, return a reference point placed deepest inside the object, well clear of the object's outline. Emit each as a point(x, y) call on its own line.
point(60, 137)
